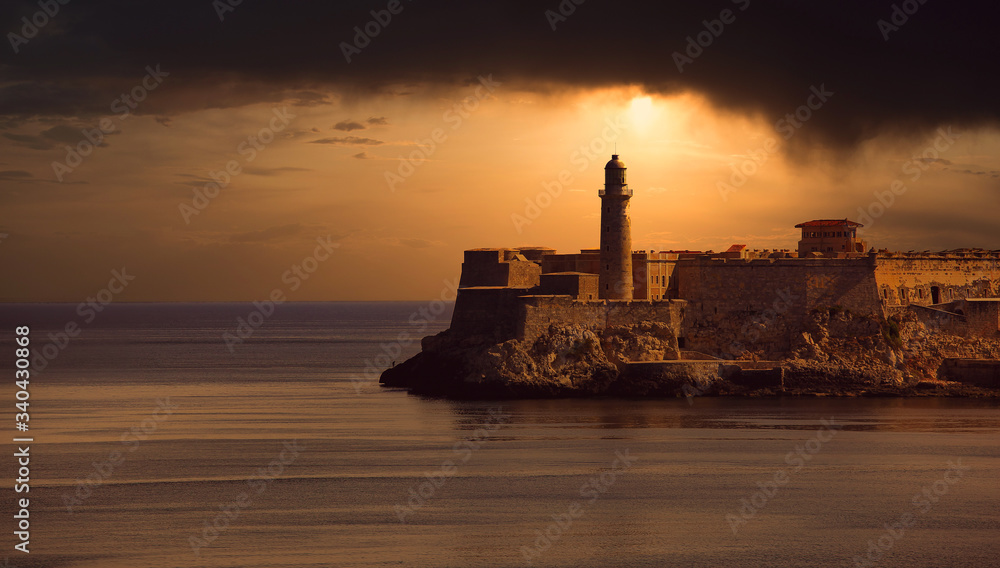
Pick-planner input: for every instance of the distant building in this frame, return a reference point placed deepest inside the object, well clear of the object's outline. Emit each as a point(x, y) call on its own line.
point(831, 237)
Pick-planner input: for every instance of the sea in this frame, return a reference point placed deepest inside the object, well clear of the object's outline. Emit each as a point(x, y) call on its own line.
point(235, 435)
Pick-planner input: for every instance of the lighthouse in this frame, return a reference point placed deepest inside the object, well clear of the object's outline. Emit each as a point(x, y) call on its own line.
point(615, 278)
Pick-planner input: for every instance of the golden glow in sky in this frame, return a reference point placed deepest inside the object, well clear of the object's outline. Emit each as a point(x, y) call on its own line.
point(406, 182)
point(643, 112)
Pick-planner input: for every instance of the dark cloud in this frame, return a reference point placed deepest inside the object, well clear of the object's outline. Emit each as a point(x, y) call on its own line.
point(362, 156)
point(194, 180)
point(349, 125)
point(29, 141)
point(929, 72)
point(53, 137)
point(28, 177)
point(377, 121)
point(65, 134)
point(348, 140)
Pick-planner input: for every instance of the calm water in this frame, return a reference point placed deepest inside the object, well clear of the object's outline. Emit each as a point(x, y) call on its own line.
point(300, 461)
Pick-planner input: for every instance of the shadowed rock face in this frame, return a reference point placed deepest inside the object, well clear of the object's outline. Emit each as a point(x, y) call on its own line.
point(835, 354)
point(567, 361)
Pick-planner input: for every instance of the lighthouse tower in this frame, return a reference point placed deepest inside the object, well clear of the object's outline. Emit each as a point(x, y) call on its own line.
point(615, 278)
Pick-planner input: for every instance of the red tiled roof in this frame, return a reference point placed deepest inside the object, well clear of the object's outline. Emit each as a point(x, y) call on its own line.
point(829, 223)
point(736, 248)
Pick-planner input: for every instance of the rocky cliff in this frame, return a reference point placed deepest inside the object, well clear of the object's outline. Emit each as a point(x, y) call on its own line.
point(831, 352)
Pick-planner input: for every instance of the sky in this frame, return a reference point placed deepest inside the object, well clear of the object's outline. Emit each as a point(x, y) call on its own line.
point(353, 150)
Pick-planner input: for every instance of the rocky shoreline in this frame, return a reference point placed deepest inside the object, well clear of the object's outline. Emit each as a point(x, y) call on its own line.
point(836, 354)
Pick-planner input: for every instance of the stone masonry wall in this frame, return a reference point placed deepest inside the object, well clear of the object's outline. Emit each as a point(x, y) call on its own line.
point(717, 287)
point(925, 279)
point(539, 312)
point(487, 312)
point(736, 305)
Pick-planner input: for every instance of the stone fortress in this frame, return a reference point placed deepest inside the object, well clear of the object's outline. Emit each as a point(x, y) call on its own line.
point(614, 320)
point(524, 289)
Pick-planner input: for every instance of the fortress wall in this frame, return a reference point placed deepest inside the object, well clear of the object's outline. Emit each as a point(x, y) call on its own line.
point(736, 305)
point(794, 286)
point(523, 274)
point(979, 372)
point(983, 317)
point(576, 284)
point(926, 279)
point(487, 268)
point(628, 313)
point(487, 311)
point(729, 306)
point(935, 319)
point(537, 313)
point(484, 267)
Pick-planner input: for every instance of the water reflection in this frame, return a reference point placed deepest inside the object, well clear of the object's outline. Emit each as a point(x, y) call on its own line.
point(857, 414)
